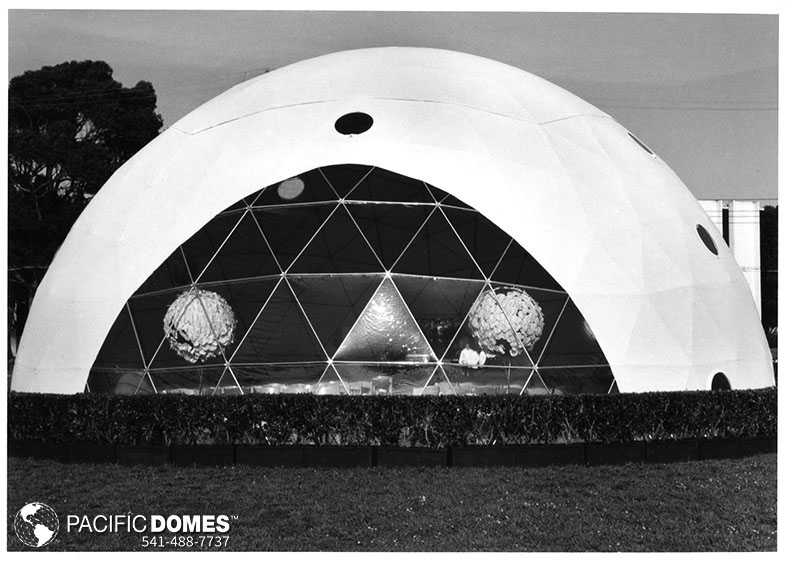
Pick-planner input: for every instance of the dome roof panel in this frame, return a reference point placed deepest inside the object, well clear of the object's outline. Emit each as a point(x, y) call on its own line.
point(432, 76)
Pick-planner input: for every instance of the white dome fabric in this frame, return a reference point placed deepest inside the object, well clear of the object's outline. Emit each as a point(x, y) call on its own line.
point(607, 219)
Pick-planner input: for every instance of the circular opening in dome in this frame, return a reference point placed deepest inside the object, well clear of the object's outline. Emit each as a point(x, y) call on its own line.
point(354, 123)
point(720, 382)
point(291, 189)
point(706, 238)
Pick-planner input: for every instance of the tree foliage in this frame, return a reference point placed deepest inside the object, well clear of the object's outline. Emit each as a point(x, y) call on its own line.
point(70, 127)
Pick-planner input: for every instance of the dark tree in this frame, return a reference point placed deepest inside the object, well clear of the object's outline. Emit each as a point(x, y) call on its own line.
point(70, 127)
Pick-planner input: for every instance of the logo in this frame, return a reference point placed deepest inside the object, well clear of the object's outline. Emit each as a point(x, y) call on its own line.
point(36, 524)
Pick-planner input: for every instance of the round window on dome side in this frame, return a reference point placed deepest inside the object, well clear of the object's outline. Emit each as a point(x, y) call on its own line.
point(706, 238)
point(354, 123)
point(720, 382)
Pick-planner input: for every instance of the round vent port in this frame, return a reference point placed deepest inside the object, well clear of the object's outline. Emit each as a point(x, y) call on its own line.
point(354, 123)
point(707, 239)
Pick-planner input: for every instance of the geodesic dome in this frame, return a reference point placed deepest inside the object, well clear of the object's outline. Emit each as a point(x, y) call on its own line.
point(373, 217)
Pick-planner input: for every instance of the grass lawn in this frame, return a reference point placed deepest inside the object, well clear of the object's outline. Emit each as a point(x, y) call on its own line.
point(703, 505)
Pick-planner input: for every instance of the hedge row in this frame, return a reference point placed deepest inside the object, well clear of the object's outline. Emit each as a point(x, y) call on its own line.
point(406, 421)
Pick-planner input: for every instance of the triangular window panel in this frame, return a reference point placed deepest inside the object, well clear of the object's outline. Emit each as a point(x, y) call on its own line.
point(288, 230)
point(517, 266)
point(271, 379)
point(201, 328)
point(382, 185)
point(345, 177)
point(534, 385)
point(485, 240)
point(532, 312)
point(487, 380)
point(281, 333)
point(120, 348)
point(389, 228)
point(104, 382)
point(244, 254)
point(439, 305)
point(362, 379)
point(305, 188)
point(197, 381)
point(491, 338)
point(227, 384)
point(385, 332)
point(575, 381)
point(333, 303)
point(245, 300)
point(437, 251)
point(573, 343)
point(439, 384)
point(171, 273)
point(200, 247)
point(337, 247)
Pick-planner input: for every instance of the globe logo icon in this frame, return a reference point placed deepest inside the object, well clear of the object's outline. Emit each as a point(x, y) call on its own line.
point(36, 524)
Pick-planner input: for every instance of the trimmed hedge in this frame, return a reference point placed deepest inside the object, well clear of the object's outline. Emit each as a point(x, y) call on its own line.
point(406, 421)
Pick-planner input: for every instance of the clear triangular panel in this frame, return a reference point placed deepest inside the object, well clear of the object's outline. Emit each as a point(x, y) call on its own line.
point(148, 312)
point(244, 254)
point(485, 241)
point(338, 247)
point(120, 348)
point(382, 185)
point(500, 330)
point(389, 228)
point(271, 379)
point(534, 385)
point(344, 177)
point(519, 267)
point(117, 382)
point(437, 251)
point(531, 311)
point(227, 384)
point(575, 381)
point(385, 332)
point(305, 188)
point(487, 380)
point(200, 247)
point(171, 273)
point(281, 333)
point(438, 305)
point(438, 385)
point(362, 379)
point(245, 299)
point(573, 343)
point(288, 230)
point(197, 381)
point(333, 302)
point(197, 327)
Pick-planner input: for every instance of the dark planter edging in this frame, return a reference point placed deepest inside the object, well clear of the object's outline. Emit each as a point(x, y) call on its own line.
point(531, 455)
point(213, 455)
point(397, 456)
point(609, 454)
point(142, 455)
point(663, 451)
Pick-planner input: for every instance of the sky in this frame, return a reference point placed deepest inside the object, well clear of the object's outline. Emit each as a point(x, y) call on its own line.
point(700, 90)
